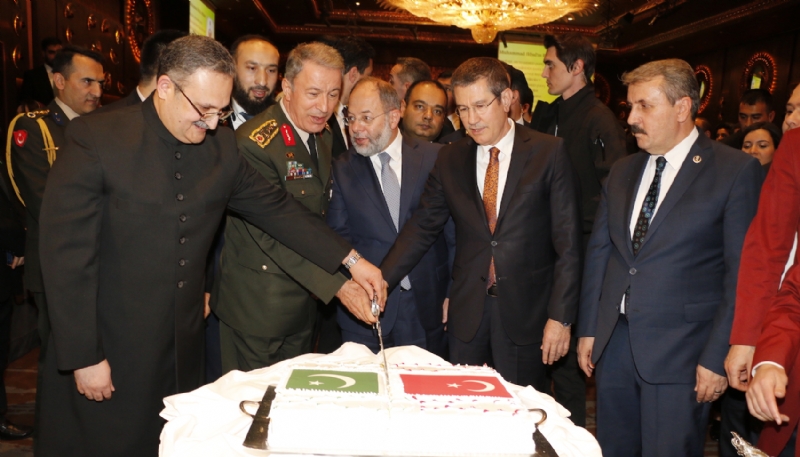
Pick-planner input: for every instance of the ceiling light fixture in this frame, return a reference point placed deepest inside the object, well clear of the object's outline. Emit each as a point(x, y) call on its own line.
point(485, 18)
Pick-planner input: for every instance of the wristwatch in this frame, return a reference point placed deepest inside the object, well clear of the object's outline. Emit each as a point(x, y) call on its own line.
point(352, 260)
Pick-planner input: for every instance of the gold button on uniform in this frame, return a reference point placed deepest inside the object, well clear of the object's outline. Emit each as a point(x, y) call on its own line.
point(264, 267)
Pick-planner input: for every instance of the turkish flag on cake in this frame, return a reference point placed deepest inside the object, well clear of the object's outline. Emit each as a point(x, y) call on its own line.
point(481, 386)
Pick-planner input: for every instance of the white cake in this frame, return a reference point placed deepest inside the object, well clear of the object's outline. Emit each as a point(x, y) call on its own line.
point(423, 410)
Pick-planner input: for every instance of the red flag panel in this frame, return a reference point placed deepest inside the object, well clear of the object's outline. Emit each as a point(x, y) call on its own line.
point(481, 386)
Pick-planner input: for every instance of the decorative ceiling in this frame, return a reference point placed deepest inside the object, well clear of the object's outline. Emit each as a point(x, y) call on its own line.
point(619, 27)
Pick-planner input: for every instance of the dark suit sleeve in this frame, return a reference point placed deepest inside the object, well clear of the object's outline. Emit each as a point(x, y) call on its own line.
point(607, 141)
point(337, 210)
point(597, 255)
point(566, 232)
point(70, 221)
point(420, 232)
point(739, 212)
point(277, 213)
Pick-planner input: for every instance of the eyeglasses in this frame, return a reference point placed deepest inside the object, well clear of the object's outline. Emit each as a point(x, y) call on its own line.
point(224, 114)
point(480, 108)
point(364, 119)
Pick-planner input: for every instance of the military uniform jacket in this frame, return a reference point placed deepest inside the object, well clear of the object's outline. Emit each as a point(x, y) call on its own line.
point(30, 166)
point(263, 288)
point(128, 218)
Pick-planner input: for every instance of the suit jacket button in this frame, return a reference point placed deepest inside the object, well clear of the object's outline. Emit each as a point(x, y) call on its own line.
point(494, 243)
point(180, 284)
point(302, 192)
point(632, 271)
point(178, 155)
point(182, 218)
point(264, 267)
point(483, 278)
point(182, 240)
point(179, 197)
point(178, 176)
point(182, 262)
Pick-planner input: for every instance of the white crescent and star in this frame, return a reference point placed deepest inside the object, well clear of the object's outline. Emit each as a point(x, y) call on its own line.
point(348, 381)
point(487, 386)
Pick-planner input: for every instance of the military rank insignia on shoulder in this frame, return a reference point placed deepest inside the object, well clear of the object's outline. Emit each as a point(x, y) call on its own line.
point(265, 133)
point(37, 114)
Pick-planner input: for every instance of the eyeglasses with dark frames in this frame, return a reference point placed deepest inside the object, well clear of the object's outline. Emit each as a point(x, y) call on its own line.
point(224, 114)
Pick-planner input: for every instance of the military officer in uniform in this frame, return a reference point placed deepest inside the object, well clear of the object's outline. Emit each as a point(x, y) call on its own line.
point(264, 293)
point(127, 220)
point(77, 79)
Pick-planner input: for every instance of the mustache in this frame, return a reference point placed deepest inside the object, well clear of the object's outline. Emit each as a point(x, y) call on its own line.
point(264, 88)
point(636, 129)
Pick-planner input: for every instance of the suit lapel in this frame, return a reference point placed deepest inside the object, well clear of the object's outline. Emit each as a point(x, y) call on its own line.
point(637, 170)
point(338, 135)
point(470, 170)
point(412, 162)
point(365, 175)
point(519, 157)
point(324, 157)
point(687, 174)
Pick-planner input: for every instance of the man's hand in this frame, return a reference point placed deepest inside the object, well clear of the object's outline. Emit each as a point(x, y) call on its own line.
point(585, 346)
point(370, 278)
point(17, 262)
point(94, 382)
point(709, 385)
point(207, 306)
point(555, 342)
point(356, 300)
point(738, 365)
point(765, 388)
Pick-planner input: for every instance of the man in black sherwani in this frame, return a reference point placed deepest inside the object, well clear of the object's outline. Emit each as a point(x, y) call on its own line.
point(129, 214)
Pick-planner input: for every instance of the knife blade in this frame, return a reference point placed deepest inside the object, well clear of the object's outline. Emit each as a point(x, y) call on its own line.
point(376, 311)
point(543, 447)
point(257, 434)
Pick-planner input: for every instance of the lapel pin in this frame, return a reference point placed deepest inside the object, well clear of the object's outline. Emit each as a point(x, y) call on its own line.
point(697, 159)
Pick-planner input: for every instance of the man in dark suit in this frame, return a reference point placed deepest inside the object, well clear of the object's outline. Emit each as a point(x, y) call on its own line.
point(424, 112)
point(357, 55)
point(377, 185)
point(37, 83)
point(513, 196)
point(127, 220)
point(660, 279)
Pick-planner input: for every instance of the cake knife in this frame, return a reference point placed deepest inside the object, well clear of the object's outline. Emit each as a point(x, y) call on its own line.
point(376, 311)
point(543, 447)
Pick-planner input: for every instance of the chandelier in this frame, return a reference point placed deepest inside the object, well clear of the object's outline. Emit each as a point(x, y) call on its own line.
point(487, 17)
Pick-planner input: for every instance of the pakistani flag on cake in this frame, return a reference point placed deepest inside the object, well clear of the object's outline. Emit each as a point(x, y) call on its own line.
point(334, 381)
point(463, 385)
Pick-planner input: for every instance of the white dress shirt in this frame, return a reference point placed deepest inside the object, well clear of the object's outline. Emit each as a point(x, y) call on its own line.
point(238, 117)
point(395, 151)
point(142, 96)
point(49, 71)
point(340, 120)
point(675, 158)
point(505, 145)
point(69, 112)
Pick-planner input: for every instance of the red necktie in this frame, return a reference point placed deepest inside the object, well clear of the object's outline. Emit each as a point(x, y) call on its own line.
point(490, 202)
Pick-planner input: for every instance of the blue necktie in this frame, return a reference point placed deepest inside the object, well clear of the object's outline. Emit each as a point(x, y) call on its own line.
point(391, 193)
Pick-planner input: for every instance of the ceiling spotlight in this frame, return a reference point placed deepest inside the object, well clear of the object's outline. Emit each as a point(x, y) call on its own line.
point(570, 17)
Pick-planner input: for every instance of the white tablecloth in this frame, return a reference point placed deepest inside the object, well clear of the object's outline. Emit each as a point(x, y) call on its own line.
point(207, 422)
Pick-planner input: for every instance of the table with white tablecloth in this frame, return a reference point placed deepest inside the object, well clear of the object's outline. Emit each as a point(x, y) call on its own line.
point(207, 422)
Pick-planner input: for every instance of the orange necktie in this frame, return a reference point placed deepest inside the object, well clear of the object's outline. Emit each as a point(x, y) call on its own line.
point(490, 202)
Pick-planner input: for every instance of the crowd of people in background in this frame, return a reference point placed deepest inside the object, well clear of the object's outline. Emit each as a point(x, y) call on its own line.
point(245, 216)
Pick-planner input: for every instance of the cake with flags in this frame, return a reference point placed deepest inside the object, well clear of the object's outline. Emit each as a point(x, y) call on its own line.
point(411, 409)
